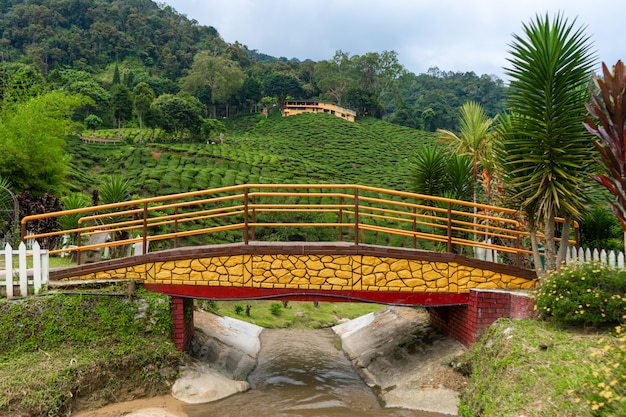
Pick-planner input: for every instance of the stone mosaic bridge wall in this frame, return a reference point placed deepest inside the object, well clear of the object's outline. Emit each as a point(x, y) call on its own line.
point(326, 267)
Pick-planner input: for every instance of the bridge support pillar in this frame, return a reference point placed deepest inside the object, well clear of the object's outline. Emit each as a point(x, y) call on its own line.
point(182, 321)
point(466, 323)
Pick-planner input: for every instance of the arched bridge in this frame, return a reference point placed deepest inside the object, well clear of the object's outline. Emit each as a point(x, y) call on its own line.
point(303, 242)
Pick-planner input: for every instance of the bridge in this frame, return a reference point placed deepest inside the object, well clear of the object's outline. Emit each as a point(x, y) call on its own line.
point(465, 262)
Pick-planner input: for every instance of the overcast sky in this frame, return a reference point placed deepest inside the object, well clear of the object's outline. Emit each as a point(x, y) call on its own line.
point(454, 35)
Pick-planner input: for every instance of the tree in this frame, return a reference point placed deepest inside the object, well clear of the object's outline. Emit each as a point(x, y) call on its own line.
point(143, 96)
point(607, 122)
point(439, 173)
point(545, 149)
point(122, 106)
point(100, 98)
point(223, 76)
point(472, 140)
point(33, 156)
point(364, 102)
point(281, 86)
point(379, 73)
point(251, 91)
point(334, 77)
point(116, 75)
point(19, 82)
point(180, 112)
point(92, 122)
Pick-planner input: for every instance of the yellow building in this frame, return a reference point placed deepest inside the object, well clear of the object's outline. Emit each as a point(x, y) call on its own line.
point(293, 107)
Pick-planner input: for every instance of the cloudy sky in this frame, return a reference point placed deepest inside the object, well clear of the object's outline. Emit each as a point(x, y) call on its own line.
point(454, 35)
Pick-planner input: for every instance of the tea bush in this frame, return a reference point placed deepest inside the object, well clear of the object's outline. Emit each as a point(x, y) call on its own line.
point(586, 294)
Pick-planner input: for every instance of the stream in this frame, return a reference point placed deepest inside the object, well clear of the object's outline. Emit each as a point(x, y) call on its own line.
point(302, 373)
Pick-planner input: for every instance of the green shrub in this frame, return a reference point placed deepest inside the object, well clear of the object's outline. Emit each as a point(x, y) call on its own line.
point(275, 308)
point(238, 309)
point(586, 294)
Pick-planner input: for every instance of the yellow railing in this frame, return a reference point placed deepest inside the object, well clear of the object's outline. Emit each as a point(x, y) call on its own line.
point(245, 213)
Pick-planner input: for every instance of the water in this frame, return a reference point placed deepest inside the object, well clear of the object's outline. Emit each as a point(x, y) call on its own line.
point(302, 373)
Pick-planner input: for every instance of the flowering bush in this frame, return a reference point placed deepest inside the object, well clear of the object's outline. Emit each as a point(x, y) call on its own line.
point(608, 364)
point(586, 294)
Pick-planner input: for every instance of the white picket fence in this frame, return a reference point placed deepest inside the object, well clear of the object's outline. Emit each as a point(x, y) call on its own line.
point(614, 259)
point(611, 258)
point(35, 277)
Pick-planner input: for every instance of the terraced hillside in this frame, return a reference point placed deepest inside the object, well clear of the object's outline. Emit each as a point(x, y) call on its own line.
point(308, 148)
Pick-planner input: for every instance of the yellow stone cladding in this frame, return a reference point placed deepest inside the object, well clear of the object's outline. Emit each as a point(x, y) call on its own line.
point(313, 272)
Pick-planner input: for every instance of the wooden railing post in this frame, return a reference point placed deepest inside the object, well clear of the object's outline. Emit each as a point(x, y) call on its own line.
point(78, 244)
point(340, 219)
point(449, 248)
point(356, 216)
point(175, 227)
point(253, 217)
point(414, 227)
point(144, 250)
point(245, 216)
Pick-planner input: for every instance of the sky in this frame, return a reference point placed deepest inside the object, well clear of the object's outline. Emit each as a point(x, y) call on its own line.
point(453, 35)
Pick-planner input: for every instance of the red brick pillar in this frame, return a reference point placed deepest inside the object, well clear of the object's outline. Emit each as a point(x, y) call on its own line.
point(182, 321)
point(467, 323)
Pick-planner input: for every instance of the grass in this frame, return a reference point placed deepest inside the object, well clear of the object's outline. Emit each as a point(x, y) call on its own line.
point(532, 368)
point(59, 350)
point(296, 314)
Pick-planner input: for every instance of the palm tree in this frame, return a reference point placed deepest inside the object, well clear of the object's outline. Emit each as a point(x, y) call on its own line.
point(473, 138)
point(472, 141)
point(545, 150)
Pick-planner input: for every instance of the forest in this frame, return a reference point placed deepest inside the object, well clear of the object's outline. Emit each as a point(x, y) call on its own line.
point(104, 49)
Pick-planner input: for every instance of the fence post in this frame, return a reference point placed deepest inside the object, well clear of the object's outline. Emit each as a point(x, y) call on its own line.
point(36, 267)
point(45, 267)
point(8, 269)
point(23, 270)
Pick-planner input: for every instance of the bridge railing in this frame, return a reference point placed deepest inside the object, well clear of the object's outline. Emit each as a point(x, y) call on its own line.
point(294, 212)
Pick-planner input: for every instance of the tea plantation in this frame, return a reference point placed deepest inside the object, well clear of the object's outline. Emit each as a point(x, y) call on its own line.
point(308, 148)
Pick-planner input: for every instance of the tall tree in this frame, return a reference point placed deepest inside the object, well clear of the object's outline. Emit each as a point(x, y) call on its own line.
point(335, 76)
point(143, 96)
point(545, 149)
point(122, 106)
point(607, 121)
point(223, 76)
point(473, 138)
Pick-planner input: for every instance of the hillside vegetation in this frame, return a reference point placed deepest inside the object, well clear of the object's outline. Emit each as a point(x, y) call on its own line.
point(308, 148)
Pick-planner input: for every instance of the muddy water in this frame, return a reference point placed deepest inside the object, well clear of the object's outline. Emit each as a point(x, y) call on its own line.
point(302, 373)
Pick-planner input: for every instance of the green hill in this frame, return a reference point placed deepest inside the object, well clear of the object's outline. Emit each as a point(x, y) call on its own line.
point(308, 148)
